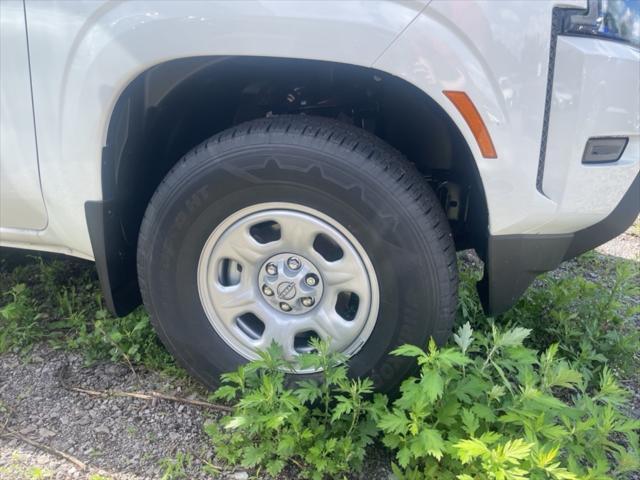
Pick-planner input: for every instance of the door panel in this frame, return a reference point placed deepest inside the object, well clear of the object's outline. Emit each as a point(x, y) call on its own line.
point(21, 203)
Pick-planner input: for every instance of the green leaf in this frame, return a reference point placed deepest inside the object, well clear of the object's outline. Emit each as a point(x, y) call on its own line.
point(308, 391)
point(410, 393)
point(490, 437)
point(516, 449)
point(447, 413)
point(431, 442)
point(343, 407)
point(397, 473)
point(275, 421)
point(395, 422)
point(563, 376)
point(534, 398)
point(469, 449)
point(432, 385)
point(544, 457)
point(252, 456)
point(274, 467)
point(513, 337)
point(449, 357)
point(464, 337)
point(470, 388)
point(236, 422)
point(484, 412)
point(116, 336)
point(497, 392)
point(141, 324)
point(408, 350)
point(286, 444)
point(404, 457)
point(469, 421)
point(225, 392)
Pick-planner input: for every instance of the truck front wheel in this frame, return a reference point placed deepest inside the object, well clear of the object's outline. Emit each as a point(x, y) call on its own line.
point(289, 228)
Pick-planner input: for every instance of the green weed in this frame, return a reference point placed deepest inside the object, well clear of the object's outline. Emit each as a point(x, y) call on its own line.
point(38, 473)
point(60, 302)
point(490, 408)
point(175, 468)
point(20, 325)
point(323, 425)
point(591, 322)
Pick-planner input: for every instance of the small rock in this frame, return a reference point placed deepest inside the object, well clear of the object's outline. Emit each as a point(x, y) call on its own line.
point(83, 421)
point(242, 475)
point(46, 433)
point(28, 430)
point(102, 429)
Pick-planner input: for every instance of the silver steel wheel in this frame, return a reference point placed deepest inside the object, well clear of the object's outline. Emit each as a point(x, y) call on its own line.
point(286, 273)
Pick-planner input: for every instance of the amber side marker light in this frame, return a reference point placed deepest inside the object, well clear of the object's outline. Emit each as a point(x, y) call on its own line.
point(470, 114)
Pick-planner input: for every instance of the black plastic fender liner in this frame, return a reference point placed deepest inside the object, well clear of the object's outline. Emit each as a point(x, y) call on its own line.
point(117, 274)
point(512, 262)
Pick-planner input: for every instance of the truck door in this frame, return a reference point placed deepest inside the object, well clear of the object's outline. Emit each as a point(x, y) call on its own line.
point(21, 203)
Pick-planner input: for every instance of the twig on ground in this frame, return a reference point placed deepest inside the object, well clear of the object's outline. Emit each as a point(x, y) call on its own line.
point(69, 458)
point(149, 396)
point(9, 412)
point(216, 468)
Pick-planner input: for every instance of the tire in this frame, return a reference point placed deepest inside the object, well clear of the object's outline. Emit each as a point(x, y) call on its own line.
point(346, 174)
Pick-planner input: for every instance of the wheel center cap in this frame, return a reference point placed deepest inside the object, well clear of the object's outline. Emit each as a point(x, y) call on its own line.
point(290, 283)
point(286, 290)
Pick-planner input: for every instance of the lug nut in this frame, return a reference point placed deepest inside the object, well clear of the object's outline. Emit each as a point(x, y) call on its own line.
point(271, 269)
point(285, 307)
point(311, 280)
point(293, 263)
point(267, 291)
point(307, 301)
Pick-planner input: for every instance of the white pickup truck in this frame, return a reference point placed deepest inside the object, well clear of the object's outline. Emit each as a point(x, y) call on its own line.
point(259, 171)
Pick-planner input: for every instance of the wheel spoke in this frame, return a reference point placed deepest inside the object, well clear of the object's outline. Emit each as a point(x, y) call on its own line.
point(240, 246)
point(330, 326)
point(344, 275)
point(297, 235)
point(232, 302)
point(280, 333)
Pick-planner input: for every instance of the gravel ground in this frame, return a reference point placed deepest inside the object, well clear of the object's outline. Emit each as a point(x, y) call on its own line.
point(625, 246)
point(116, 437)
point(119, 438)
point(124, 437)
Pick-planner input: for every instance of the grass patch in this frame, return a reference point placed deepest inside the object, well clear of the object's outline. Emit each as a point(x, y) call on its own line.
point(45, 298)
point(176, 468)
point(593, 319)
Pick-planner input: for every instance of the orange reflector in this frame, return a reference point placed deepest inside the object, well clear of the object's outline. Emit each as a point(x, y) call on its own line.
point(470, 113)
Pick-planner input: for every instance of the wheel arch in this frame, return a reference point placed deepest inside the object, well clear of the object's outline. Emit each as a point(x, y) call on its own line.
point(132, 165)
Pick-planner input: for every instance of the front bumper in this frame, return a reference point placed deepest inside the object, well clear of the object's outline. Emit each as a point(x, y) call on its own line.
point(512, 262)
point(595, 94)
